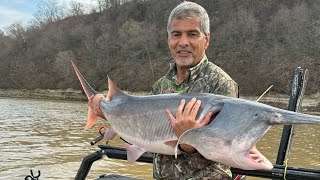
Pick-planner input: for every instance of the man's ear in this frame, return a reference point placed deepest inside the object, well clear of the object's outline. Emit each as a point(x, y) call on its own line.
point(207, 40)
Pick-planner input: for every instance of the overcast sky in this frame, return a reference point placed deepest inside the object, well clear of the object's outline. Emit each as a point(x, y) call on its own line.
point(12, 11)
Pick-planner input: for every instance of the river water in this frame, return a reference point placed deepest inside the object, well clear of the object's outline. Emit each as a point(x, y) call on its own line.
point(48, 135)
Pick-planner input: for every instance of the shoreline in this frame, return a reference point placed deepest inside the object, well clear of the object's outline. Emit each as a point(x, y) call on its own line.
point(66, 94)
point(310, 102)
point(55, 94)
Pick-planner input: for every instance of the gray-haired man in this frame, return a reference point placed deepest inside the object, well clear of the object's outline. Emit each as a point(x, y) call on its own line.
point(188, 38)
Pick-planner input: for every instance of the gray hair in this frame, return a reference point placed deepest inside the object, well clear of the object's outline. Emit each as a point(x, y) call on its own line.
point(190, 9)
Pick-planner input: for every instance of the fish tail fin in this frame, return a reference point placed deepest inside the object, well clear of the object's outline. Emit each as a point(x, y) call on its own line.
point(88, 90)
point(92, 118)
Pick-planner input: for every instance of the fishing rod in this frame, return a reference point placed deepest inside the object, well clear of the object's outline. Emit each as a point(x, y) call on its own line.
point(296, 96)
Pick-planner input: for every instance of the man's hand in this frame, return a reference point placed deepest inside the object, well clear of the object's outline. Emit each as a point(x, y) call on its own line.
point(186, 119)
point(94, 103)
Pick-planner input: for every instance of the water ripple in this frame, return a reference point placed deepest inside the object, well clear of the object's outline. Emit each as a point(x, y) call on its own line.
point(48, 136)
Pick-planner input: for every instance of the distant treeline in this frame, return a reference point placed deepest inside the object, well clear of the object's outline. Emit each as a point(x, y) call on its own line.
point(258, 43)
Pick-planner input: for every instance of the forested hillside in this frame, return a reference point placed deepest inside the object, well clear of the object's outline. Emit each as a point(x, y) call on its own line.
point(258, 43)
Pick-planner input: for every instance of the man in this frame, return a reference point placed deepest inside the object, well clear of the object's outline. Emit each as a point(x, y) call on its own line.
point(188, 38)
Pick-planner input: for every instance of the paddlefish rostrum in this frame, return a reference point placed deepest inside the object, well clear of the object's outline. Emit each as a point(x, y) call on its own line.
point(143, 122)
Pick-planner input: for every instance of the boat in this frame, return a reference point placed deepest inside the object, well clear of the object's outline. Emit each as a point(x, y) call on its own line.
point(279, 170)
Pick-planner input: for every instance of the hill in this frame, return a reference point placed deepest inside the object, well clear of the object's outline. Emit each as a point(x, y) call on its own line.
point(258, 43)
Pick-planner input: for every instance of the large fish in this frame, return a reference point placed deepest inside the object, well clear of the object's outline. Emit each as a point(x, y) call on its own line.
point(143, 122)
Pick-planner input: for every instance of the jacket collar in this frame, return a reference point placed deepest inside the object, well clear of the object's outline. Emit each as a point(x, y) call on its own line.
point(192, 72)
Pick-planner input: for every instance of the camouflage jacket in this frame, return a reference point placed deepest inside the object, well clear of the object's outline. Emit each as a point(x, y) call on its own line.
point(206, 77)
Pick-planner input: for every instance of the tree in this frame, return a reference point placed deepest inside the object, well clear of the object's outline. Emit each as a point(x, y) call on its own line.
point(48, 11)
point(76, 8)
point(15, 30)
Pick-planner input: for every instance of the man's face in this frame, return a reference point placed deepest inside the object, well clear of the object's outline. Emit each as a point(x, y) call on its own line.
point(186, 41)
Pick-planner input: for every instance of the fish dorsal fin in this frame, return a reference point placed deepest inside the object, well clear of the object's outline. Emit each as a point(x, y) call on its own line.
point(113, 89)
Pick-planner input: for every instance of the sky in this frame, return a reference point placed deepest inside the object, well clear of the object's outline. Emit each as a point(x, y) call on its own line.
point(12, 11)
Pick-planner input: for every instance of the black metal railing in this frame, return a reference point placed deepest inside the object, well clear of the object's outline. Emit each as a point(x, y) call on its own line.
point(279, 171)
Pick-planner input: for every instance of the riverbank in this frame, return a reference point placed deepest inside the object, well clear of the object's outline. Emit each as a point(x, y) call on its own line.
point(311, 103)
point(67, 94)
point(60, 94)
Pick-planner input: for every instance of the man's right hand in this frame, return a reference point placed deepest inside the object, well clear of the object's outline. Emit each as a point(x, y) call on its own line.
point(94, 103)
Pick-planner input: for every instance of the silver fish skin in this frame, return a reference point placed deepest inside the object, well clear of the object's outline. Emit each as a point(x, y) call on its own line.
point(142, 120)
point(239, 125)
point(237, 128)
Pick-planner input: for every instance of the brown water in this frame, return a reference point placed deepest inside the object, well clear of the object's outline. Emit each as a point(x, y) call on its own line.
point(48, 136)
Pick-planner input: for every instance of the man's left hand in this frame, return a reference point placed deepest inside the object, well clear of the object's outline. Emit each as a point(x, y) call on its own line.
point(186, 119)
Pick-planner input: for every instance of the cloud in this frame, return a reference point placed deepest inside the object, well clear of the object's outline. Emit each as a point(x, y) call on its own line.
point(23, 11)
point(5, 11)
point(9, 16)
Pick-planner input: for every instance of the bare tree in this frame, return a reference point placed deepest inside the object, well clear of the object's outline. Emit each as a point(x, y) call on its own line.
point(103, 4)
point(15, 30)
point(106, 4)
point(48, 11)
point(61, 65)
point(76, 8)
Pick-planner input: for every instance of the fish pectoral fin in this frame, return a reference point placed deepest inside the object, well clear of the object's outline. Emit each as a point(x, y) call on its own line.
point(172, 143)
point(259, 160)
point(92, 118)
point(109, 134)
point(133, 152)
